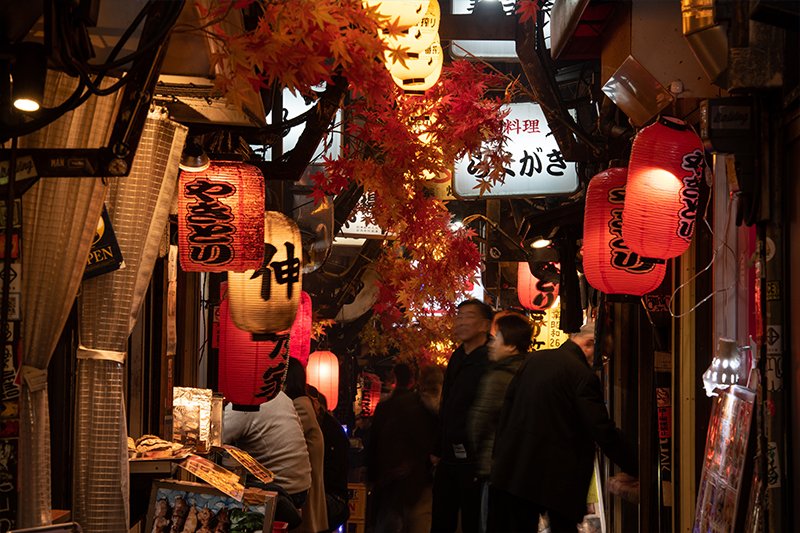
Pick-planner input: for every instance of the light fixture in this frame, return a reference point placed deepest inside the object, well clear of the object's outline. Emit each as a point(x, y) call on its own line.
point(194, 158)
point(28, 75)
point(541, 243)
point(725, 369)
point(323, 373)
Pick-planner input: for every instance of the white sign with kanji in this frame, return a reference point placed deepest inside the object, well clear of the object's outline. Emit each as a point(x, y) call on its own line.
point(537, 167)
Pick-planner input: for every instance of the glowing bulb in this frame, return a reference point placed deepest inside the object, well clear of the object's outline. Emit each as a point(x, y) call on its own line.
point(541, 243)
point(25, 104)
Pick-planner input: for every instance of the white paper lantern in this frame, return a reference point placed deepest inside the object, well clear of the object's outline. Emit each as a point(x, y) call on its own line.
point(265, 300)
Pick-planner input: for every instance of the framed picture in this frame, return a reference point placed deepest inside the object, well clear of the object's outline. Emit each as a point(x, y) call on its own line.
point(195, 507)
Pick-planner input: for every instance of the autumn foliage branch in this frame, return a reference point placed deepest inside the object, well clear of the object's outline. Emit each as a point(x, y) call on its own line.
point(394, 145)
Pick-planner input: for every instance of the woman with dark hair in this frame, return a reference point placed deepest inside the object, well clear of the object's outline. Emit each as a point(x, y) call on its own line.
point(315, 515)
point(507, 351)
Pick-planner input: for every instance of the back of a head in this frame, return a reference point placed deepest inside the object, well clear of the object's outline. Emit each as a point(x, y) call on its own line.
point(295, 385)
point(484, 309)
point(516, 331)
point(402, 375)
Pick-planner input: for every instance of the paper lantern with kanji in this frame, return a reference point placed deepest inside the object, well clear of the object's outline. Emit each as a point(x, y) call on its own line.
point(662, 193)
point(419, 73)
point(608, 264)
point(221, 218)
point(300, 334)
point(368, 394)
point(250, 372)
point(405, 12)
point(533, 293)
point(323, 373)
point(265, 300)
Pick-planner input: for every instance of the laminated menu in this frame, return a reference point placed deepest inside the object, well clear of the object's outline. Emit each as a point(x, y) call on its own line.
point(723, 461)
point(214, 475)
point(247, 461)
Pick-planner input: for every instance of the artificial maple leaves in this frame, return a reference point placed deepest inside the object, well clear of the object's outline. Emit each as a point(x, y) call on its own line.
point(393, 144)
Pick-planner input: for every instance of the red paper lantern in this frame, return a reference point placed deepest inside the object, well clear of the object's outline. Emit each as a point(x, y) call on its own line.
point(300, 334)
point(323, 373)
point(250, 372)
point(661, 203)
point(533, 293)
point(370, 394)
point(221, 218)
point(609, 265)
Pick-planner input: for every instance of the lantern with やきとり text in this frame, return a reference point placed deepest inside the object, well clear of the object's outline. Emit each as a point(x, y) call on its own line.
point(662, 192)
point(265, 300)
point(609, 264)
point(300, 334)
point(534, 293)
point(323, 373)
point(221, 218)
point(250, 372)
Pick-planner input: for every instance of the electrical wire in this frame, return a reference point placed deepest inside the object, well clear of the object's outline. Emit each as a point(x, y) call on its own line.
point(723, 244)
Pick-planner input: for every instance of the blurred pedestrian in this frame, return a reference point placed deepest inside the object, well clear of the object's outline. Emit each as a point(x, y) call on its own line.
point(544, 449)
point(456, 490)
point(507, 350)
point(398, 459)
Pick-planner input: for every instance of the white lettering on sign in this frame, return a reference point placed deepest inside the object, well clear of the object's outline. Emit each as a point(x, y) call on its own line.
point(537, 166)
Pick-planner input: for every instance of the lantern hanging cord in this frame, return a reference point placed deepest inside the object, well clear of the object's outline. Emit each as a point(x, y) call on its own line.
point(724, 244)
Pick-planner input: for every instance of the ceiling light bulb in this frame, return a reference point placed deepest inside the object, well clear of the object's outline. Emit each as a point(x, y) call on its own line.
point(541, 243)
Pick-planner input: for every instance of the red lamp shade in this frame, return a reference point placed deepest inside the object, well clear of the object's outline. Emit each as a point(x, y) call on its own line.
point(250, 372)
point(221, 218)
point(265, 300)
point(609, 265)
point(533, 293)
point(300, 334)
point(323, 373)
point(664, 174)
point(370, 394)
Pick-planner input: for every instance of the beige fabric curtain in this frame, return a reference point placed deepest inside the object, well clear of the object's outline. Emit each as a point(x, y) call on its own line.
point(138, 207)
point(59, 220)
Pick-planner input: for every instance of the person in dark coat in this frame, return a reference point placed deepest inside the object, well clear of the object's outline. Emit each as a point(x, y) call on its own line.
point(337, 447)
point(398, 459)
point(455, 486)
point(545, 444)
point(507, 351)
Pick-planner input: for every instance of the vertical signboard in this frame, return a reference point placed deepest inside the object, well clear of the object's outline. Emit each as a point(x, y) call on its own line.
point(10, 391)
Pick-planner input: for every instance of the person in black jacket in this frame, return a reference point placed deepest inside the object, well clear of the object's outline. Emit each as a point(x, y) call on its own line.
point(337, 447)
point(545, 445)
point(455, 486)
point(398, 459)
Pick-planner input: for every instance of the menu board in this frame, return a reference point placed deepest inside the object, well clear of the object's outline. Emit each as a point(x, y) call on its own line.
point(723, 461)
point(247, 461)
point(214, 475)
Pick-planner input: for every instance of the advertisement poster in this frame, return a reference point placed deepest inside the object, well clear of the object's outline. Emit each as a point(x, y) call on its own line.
point(723, 462)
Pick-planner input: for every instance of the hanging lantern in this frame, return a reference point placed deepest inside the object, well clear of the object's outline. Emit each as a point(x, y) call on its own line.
point(662, 196)
point(420, 73)
point(421, 35)
point(323, 373)
point(265, 300)
point(300, 334)
point(534, 293)
point(546, 333)
point(220, 218)
point(609, 265)
point(368, 394)
point(406, 12)
point(250, 372)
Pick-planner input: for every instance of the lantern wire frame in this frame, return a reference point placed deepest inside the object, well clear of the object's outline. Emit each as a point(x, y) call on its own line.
point(717, 250)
